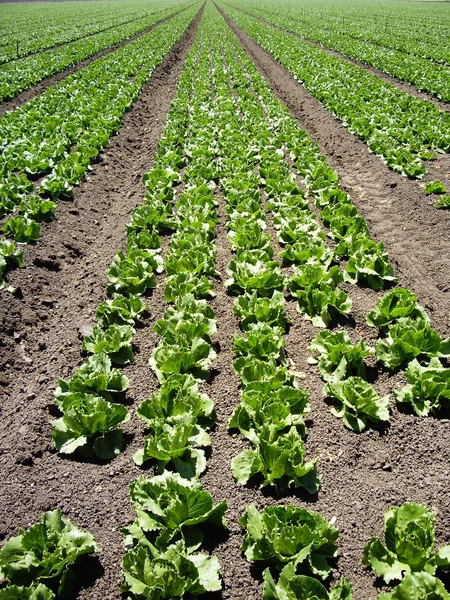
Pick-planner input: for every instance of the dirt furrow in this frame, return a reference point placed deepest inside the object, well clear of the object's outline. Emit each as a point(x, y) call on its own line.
point(43, 85)
point(57, 292)
point(395, 208)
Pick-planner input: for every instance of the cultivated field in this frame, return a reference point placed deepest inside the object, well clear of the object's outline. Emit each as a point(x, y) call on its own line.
point(225, 300)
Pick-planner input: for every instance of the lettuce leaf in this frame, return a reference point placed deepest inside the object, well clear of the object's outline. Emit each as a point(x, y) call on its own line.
point(44, 553)
point(428, 387)
point(337, 357)
point(409, 539)
point(291, 586)
point(394, 305)
point(289, 534)
point(418, 586)
point(357, 402)
point(185, 356)
point(410, 338)
point(38, 592)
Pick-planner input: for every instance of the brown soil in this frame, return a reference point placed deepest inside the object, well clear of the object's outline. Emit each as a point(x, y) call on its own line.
point(404, 86)
point(58, 290)
point(42, 86)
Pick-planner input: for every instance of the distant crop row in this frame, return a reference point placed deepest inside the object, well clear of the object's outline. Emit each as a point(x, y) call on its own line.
point(61, 132)
point(426, 75)
point(21, 74)
point(402, 129)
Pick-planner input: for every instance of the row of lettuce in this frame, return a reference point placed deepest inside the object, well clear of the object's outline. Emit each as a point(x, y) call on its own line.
point(229, 138)
point(402, 129)
point(406, 338)
point(48, 144)
point(410, 30)
point(426, 75)
point(173, 515)
point(31, 30)
point(22, 74)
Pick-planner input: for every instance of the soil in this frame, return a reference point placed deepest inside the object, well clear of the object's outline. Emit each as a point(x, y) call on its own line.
point(62, 282)
point(404, 86)
point(44, 84)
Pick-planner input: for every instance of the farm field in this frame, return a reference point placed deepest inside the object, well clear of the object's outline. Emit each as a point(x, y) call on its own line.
point(225, 300)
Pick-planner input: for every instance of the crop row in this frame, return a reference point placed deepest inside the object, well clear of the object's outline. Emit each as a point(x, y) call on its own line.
point(60, 133)
point(401, 129)
point(19, 75)
point(422, 35)
point(427, 76)
point(48, 27)
point(407, 339)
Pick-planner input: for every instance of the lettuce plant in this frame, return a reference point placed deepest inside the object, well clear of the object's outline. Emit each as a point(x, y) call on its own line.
point(198, 261)
point(337, 357)
point(262, 342)
point(428, 387)
point(43, 556)
point(178, 395)
point(114, 341)
point(253, 271)
point(291, 586)
point(89, 424)
point(181, 284)
point(22, 228)
point(253, 309)
point(120, 310)
point(409, 544)
point(357, 403)
point(319, 298)
point(410, 338)
point(369, 264)
point(169, 573)
point(418, 586)
point(279, 458)
point(281, 535)
point(133, 273)
point(435, 187)
point(394, 305)
point(94, 376)
point(260, 406)
point(37, 208)
point(192, 318)
point(307, 249)
point(9, 256)
point(443, 202)
point(186, 355)
point(168, 508)
point(178, 444)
